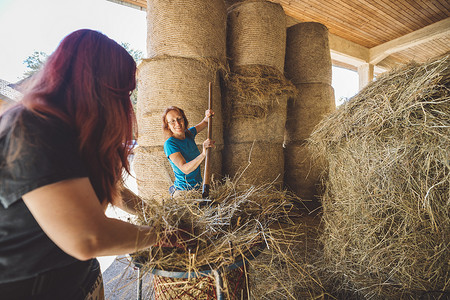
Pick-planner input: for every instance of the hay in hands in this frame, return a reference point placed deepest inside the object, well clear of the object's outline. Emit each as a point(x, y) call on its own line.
point(239, 217)
point(244, 218)
point(387, 199)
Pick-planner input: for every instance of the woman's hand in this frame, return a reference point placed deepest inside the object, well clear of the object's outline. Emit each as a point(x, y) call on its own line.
point(208, 113)
point(204, 123)
point(180, 238)
point(207, 144)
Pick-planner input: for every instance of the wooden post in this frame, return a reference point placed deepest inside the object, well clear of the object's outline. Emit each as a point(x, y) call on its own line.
point(365, 72)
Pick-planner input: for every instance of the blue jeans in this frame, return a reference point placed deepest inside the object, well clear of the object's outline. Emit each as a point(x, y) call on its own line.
point(172, 190)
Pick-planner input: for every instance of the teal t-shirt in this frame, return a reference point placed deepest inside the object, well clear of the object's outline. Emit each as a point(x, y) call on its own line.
point(189, 150)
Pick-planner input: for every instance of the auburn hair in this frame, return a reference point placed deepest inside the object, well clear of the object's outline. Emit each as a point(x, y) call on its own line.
point(165, 125)
point(87, 83)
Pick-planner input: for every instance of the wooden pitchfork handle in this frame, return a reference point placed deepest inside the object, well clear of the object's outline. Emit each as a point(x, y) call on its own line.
point(207, 172)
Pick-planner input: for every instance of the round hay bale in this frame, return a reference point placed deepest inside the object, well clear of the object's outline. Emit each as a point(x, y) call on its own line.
point(311, 105)
point(254, 163)
point(256, 34)
point(216, 161)
point(302, 173)
point(229, 3)
point(386, 206)
point(268, 128)
point(154, 174)
point(308, 57)
point(187, 28)
point(171, 81)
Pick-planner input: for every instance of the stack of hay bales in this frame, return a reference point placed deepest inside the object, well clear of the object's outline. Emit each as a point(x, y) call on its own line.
point(308, 66)
point(186, 48)
point(255, 104)
point(386, 206)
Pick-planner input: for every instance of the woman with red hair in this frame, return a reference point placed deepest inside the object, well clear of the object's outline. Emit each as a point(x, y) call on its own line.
point(63, 149)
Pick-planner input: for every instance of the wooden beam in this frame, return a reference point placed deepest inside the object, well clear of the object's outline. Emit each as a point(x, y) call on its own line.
point(341, 47)
point(346, 59)
point(423, 35)
point(133, 4)
point(343, 65)
point(344, 53)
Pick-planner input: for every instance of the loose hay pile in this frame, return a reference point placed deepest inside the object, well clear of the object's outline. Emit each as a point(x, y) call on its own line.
point(244, 218)
point(240, 217)
point(252, 90)
point(387, 199)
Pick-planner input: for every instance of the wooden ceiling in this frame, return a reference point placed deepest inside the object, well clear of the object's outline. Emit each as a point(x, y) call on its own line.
point(380, 32)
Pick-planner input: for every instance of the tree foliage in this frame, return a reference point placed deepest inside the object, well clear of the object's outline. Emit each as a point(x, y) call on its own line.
point(137, 56)
point(34, 62)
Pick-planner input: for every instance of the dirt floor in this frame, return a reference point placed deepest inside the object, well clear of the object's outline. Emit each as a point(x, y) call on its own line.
point(120, 277)
point(121, 281)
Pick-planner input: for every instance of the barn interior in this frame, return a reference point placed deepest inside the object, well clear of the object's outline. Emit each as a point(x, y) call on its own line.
point(349, 202)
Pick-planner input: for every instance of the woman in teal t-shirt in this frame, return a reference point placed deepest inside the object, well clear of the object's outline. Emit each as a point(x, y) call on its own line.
point(181, 150)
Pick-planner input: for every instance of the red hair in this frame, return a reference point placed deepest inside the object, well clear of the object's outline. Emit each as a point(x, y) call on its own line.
point(87, 83)
point(165, 126)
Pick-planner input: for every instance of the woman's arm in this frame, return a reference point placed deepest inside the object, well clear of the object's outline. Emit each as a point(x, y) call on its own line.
point(178, 159)
point(71, 215)
point(202, 125)
point(128, 201)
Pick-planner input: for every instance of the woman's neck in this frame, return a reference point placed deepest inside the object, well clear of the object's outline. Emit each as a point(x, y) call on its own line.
point(180, 136)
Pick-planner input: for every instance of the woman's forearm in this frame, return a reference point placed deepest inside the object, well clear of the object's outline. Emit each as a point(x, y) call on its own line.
point(128, 201)
point(189, 167)
point(115, 238)
point(202, 125)
point(75, 221)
